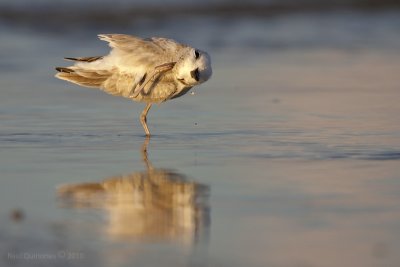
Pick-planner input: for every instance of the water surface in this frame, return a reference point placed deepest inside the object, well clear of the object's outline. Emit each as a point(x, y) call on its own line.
point(288, 156)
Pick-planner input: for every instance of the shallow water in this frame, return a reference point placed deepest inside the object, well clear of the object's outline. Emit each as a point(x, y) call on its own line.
point(289, 156)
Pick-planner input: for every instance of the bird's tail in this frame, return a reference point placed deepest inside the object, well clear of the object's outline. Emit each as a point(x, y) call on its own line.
point(80, 75)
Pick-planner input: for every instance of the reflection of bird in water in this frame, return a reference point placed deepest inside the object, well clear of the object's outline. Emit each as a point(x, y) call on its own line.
point(154, 204)
point(151, 70)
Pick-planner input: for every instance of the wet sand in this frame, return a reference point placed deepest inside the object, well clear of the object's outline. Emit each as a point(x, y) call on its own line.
point(296, 151)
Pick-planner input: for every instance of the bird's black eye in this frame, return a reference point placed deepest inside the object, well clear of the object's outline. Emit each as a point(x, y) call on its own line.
point(195, 74)
point(196, 54)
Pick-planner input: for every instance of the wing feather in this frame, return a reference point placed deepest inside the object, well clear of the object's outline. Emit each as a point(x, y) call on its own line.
point(167, 45)
point(124, 69)
point(129, 43)
point(84, 59)
point(82, 77)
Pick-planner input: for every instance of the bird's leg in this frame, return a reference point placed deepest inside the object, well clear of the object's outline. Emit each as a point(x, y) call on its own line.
point(143, 119)
point(145, 156)
point(152, 76)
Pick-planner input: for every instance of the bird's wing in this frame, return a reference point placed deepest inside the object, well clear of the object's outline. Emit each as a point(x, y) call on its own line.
point(138, 61)
point(167, 45)
point(131, 43)
point(143, 48)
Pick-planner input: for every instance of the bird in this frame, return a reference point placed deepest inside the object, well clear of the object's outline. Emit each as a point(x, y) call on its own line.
point(149, 70)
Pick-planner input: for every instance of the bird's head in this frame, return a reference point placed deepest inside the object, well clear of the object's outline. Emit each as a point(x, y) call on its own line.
point(193, 68)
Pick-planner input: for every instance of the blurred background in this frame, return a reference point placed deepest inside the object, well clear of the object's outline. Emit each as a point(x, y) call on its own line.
point(293, 146)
